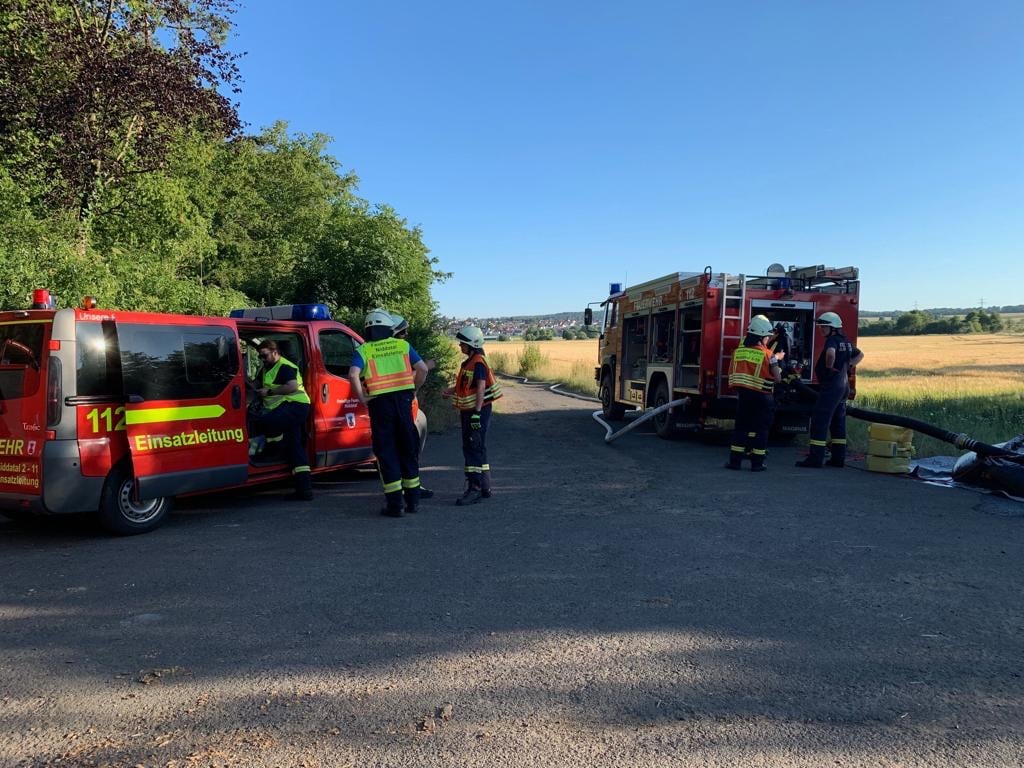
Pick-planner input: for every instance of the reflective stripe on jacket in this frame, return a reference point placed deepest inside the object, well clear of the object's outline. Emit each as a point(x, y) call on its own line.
point(271, 402)
point(751, 369)
point(465, 387)
point(388, 366)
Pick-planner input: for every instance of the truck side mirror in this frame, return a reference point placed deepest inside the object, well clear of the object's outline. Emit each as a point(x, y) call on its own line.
point(588, 316)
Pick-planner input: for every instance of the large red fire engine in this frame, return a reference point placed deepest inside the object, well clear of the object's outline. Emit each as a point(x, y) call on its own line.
point(674, 337)
point(118, 412)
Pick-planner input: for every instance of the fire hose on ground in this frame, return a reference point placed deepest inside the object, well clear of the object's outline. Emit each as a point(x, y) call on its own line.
point(960, 440)
point(1000, 468)
point(611, 435)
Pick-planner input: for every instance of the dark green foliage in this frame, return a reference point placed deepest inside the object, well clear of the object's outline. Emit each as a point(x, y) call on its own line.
point(918, 322)
point(93, 92)
point(122, 176)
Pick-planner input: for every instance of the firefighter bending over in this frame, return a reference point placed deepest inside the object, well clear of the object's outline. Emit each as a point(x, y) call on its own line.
point(754, 372)
point(829, 414)
point(287, 409)
point(384, 375)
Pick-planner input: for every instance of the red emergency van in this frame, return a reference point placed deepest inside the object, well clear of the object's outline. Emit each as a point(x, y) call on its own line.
point(119, 412)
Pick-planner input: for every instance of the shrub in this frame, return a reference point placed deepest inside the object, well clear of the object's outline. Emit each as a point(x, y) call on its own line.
point(530, 360)
point(500, 361)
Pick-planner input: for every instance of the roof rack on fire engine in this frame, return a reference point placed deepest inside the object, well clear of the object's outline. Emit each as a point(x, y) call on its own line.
point(823, 274)
point(285, 312)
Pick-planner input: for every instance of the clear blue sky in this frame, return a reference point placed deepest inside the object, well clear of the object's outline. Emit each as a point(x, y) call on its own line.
point(548, 148)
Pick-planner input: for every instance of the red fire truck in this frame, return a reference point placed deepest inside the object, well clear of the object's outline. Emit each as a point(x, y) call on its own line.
point(674, 337)
point(118, 412)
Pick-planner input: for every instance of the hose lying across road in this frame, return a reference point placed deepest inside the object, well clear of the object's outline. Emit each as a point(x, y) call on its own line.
point(610, 435)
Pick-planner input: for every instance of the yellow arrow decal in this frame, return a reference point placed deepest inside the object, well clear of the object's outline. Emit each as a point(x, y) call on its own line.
point(183, 413)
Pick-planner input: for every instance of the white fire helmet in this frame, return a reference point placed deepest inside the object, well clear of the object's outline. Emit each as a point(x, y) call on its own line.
point(471, 336)
point(830, 319)
point(760, 326)
point(378, 317)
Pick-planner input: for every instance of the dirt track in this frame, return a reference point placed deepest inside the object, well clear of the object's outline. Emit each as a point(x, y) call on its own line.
point(625, 605)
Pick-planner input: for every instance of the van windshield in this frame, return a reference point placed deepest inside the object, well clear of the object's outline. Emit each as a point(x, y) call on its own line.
point(21, 349)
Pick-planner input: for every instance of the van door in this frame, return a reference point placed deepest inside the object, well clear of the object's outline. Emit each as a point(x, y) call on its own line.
point(342, 422)
point(184, 410)
point(23, 404)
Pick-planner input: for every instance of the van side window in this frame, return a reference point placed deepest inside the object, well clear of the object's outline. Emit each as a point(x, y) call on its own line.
point(91, 367)
point(177, 362)
point(337, 349)
point(21, 349)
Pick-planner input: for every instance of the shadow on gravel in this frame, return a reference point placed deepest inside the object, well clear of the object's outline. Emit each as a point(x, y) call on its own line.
point(637, 585)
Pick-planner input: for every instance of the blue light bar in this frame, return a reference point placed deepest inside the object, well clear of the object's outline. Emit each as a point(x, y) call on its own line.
point(285, 312)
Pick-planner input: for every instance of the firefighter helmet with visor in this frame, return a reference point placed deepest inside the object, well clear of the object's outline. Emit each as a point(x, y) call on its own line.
point(399, 324)
point(378, 317)
point(831, 320)
point(760, 326)
point(471, 336)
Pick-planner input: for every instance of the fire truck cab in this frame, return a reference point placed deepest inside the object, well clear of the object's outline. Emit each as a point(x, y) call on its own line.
point(674, 337)
point(119, 412)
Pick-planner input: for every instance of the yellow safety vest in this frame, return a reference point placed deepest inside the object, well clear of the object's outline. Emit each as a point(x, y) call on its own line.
point(751, 369)
point(272, 401)
point(465, 392)
point(387, 366)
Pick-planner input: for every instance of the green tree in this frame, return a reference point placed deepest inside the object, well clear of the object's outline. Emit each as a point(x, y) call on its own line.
point(95, 92)
point(278, 199)
point(912, 322)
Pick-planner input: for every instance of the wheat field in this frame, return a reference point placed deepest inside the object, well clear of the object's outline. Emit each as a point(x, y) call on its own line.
point(967, 383)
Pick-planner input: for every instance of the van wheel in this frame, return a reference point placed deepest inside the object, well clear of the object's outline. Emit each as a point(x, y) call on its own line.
point(664, 423)
point(121, 514)
point(609, 408)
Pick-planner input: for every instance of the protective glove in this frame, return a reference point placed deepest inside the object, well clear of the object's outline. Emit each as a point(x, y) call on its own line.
point(474, 420)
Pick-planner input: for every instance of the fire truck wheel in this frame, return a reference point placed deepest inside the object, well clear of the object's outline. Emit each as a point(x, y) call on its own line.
point(122, 514)
point(664, 423)
point(610, 409)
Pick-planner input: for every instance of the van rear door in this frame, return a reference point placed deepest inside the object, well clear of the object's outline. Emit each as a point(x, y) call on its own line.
point(184, 409)
point(22, 402)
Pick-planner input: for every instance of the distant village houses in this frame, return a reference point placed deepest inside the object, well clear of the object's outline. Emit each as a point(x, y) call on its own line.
point(552, 326)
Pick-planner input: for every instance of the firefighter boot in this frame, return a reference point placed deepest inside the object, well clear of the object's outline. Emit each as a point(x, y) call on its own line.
point(485, 484)
point(412, 500)
point(472, 495)
point(757, 460)
point(736, 453)
point(815, 457)
point(394, 504)
point(303, 486)
point(837, 457)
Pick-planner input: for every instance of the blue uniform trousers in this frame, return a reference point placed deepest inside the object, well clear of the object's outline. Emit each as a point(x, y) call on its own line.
point(829, 416)
point(474, 449)
point(754, 414)
point(396, 444)
point(289, 420)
